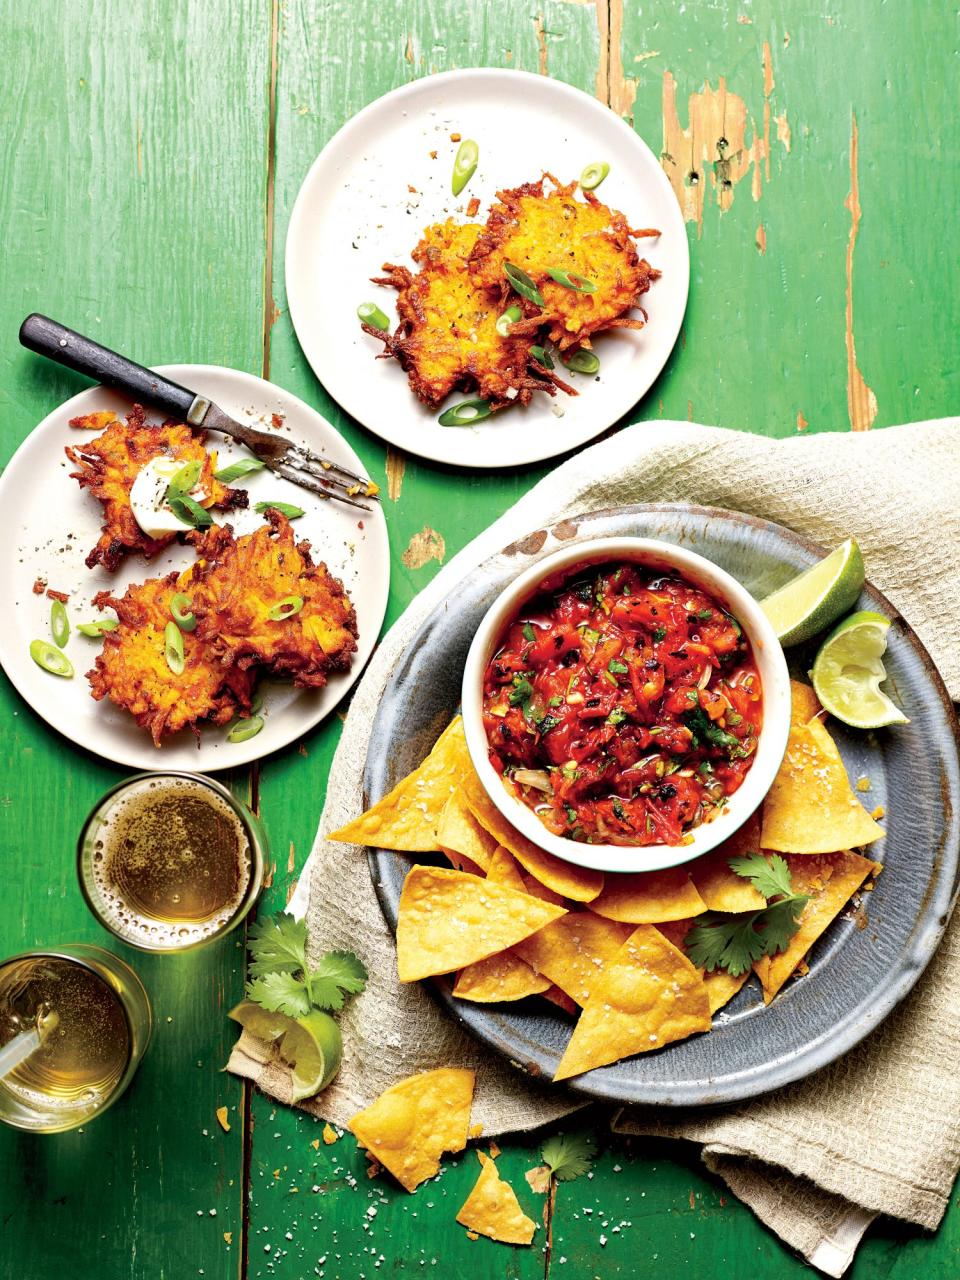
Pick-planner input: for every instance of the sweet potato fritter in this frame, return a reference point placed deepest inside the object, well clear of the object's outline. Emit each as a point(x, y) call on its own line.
point(132, 669)
point(447, 337)
point(236, 585)
point(536, 229)
point(108, 466)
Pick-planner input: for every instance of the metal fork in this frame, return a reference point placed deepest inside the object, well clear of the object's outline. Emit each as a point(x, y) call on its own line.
point(292, 461)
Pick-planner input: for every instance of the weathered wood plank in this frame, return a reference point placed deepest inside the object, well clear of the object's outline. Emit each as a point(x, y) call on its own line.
point(132, 145)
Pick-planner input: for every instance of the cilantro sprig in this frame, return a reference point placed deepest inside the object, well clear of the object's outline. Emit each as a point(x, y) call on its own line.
point(719, 940)
point(569, 1155)
point(282, 981)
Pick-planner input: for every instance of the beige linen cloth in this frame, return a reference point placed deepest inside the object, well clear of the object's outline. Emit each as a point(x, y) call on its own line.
point(877, 1132)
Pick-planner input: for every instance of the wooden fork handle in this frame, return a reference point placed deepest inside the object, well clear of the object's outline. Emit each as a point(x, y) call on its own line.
point(55, 341)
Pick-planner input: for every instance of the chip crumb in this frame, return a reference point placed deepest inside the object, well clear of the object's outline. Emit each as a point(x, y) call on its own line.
point(330, 1135)
point(863, 784)
point(315, 1144)
point(228, 1236)
point(539, 1179)
point(475, 1130)
point(373, 1168)
point(472, 1235)
point(494, 1151)
point(878, 813)
point(222, 1120)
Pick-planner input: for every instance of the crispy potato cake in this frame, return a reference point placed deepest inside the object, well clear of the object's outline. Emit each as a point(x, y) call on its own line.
point(537, 229)
point(132, 671)
point(238, 584)
point(447, 337)
point(108, 466)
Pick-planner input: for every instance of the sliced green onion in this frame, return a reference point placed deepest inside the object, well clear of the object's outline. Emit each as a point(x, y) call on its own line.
point(571, 280)
point(465, 164)
point(371, 314)
point(187, 510)
point(465, 414)
point(523, 284)
point(51, 658)
point(288, 607)
point(542, 356)
point(97, 628)
point(245, 729)
point(256, 702)
point(59, 624)
point(181, 611)
point(173, 648)
point(583, 361)
point(593, 174)
point(243, 467)
point(508, 320)
point(285, 508)
point(184, 479)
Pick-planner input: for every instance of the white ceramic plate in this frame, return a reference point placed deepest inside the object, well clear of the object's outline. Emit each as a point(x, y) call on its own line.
point(355, 212)
point(51, 524)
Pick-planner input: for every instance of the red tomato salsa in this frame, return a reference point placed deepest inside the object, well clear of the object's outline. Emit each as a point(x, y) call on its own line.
point(623, 705)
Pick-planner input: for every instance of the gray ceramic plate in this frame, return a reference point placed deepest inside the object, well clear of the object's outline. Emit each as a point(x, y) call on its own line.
point(857, 974)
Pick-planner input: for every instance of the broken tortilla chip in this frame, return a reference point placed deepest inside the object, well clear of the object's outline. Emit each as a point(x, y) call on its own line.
point(649, 995)
point(649, 897)
point(811, 807)
point(448, 920)
point(830, 880)
point(721, 985)
point(458, 831)
point(405, 819)
point(580, 884)
point(492, 1209)
point(562, 1001)
point(804, 703)
point(574, 950)
point(718, 884)
point(412, 1123)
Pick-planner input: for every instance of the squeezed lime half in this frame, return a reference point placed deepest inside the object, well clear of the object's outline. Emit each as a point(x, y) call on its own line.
point(312, 1045)
point(849, 671)
point(809, 603)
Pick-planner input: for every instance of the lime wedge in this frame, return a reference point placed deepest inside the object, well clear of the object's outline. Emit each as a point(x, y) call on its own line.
point(312, 1045)
point(809, 603)
point(849, 670)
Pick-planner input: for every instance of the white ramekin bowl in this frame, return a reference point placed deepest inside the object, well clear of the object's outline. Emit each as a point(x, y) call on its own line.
point(771, 664)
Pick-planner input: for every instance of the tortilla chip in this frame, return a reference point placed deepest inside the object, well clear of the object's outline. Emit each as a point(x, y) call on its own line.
point(562, 1001)
point(537, 890)
point(405, 819)
point(412, 1123)
point(448, 920)
point(649, 897)
point(830, 880)
point(811, 807)
point(504, 870)
point(804, 703)
point(721, 986)
point(577, 883)
point(458, 831)
point(574, 950)
point(648, 996)
point(461, 863)
point(718, 885)
point(492, 1208)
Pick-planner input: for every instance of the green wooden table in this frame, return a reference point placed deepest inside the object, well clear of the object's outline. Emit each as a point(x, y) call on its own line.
point(150, 154)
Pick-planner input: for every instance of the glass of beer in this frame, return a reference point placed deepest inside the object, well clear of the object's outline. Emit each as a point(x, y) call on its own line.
point(171, 861)
point(90, 1019)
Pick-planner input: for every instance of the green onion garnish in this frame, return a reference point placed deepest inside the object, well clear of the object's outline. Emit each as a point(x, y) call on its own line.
point(245, 729)
point(183, 481)
point(187, 510)
point(542, 356)
point(528, 632)
point(51, 658)
point(465, 414)
point(59, 624)
point(97, 628)
point(288, 607)
point(285, 508)
point(583, 361)
point(465, 164)
point(593, 174)
point(180, 610)
point(523, 284)
point(571, 280)
point(244, 467)
point(507, 320)
point(173, 648)
point(371, 314)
